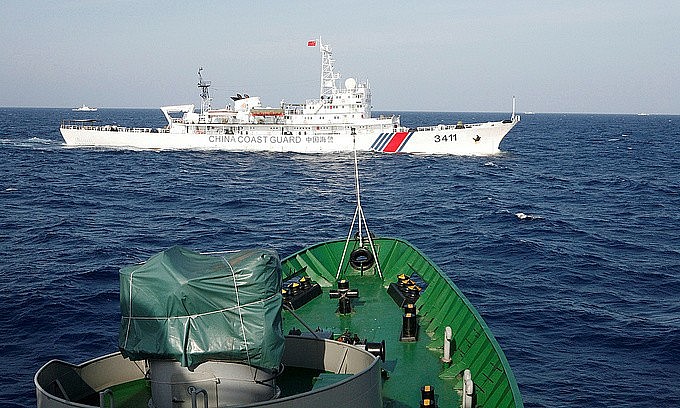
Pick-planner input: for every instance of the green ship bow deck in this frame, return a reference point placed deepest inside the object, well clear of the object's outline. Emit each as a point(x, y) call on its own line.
point(377, 316)
point(359, 332)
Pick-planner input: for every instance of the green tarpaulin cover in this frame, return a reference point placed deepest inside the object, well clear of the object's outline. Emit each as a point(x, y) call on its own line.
point(192, 308)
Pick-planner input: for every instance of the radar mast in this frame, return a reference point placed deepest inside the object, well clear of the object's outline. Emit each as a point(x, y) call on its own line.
point(328, 76)
point(205, 94)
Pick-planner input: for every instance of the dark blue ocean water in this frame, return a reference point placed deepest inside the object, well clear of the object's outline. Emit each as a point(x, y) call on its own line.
point(582, 292)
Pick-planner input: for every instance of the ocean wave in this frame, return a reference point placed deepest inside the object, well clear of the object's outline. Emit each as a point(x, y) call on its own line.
point(529, 217)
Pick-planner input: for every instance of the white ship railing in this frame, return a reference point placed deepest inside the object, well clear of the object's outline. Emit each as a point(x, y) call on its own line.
point(461, 126)
point(87, 125)
point(445, 127)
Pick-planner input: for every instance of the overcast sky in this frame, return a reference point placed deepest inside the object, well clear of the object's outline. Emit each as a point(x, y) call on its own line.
point(610, 56)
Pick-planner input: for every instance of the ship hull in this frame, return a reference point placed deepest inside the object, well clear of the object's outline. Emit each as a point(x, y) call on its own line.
point(475, 139)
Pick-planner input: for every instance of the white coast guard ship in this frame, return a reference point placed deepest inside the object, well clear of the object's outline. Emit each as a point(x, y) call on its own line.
point(339, 120)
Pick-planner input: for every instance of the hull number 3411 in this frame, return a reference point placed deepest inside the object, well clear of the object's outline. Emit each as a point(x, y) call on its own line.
point(445, 138)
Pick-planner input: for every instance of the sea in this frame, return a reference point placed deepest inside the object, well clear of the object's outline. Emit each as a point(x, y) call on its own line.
point(567, 242)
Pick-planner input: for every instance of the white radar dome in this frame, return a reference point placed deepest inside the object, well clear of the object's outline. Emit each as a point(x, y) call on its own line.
point(350, 83)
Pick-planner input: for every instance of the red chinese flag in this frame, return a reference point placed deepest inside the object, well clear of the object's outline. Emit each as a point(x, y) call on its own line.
point(311, 43)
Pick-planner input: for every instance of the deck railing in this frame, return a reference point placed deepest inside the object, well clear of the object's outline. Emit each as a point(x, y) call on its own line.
point(89, 125)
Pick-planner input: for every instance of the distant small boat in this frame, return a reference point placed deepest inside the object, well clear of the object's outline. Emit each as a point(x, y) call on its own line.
point(84, 108)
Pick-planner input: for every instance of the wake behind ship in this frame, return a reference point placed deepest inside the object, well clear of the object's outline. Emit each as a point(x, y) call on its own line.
point(340, 120)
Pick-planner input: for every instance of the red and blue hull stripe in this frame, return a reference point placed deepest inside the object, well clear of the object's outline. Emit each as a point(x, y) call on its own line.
point(391, 142)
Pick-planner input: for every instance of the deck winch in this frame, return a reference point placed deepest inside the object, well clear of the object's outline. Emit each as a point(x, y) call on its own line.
point(375, 348)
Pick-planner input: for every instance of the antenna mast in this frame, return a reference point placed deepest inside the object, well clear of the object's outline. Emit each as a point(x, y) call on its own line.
point(328, 76)
point(205, 95)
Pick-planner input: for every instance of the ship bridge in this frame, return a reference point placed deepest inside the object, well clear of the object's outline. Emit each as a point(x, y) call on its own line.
point(347, 104)
point(342, 105)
